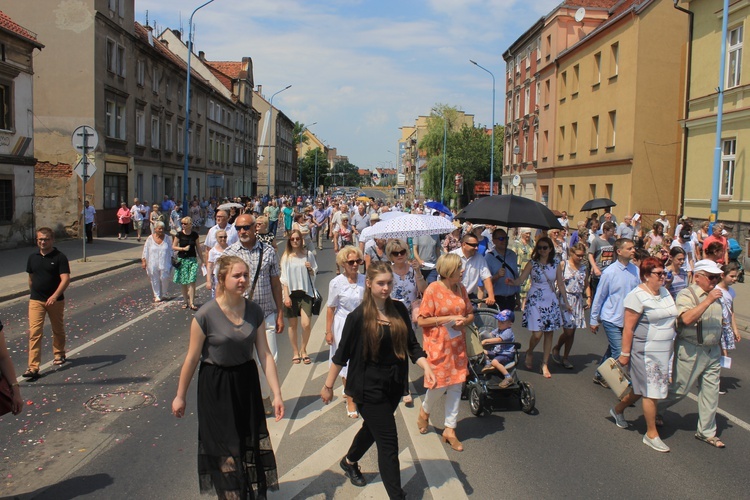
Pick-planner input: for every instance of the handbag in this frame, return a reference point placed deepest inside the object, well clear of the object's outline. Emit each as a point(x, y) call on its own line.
point(616, 377)
point(6, 396)
point(176, 262)
point(317, 299)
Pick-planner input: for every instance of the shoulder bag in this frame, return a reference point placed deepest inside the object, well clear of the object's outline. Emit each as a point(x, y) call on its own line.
point(317, 299)
point(257, 272)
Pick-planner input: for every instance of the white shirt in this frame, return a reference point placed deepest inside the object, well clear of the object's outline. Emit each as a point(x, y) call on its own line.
point(88, 214)
point(475, 270)
point(135, 212)
point(232, 236)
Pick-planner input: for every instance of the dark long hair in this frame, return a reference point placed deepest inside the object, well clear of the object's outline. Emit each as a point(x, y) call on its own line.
point(371, 331)
point(550, 256)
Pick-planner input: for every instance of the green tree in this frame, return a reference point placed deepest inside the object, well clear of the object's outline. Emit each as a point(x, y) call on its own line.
point(307, 169)
point(298, 136)
point(350, 173)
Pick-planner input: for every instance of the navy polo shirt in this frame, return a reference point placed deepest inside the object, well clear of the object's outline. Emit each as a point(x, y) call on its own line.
point(45, 271)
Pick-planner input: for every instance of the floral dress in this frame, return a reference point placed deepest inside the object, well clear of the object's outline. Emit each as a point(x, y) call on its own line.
point(405, 288)
point(575, 286)
point(727, 310)
point(542, 313)
point(447, 356)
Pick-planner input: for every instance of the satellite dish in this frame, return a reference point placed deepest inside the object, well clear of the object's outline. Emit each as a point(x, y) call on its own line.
point(580, 14)
point(516, 180)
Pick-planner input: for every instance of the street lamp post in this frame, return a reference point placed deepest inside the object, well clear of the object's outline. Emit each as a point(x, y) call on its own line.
point(271, 131)
point(185, 183)
point(492, 151)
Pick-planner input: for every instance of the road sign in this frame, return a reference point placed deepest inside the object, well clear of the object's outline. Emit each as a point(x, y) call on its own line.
point(92, 139)
point(90, 169)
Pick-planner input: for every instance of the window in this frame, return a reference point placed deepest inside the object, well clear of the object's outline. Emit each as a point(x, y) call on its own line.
point(614, 59)
point(561, 141)
point(573, 138)
point(167, 91)
point(121, 60)
point(115, 190)
point(115, 120)
point(211, 148)
point(115, 58)
point(121, 9)
point(563, 85)
point(509, 110)
point(180, 139)
point(6, 200)
point(572, 192)
point(592, 191)
point(155, 131)
point(734, 57)
point(140, 72)
point(545, 145)
point(113, 5)
point(518, 106)
point(728, 154)
point(154, 187)
point(528, 58)
point(140, 128)
point(211, 109)
point(548, 47)
point(612, 129)
point(538, 98)
point(597, 68)
point(527, 100)
point(559, 195)
point(574, 83)
point(155, 80)
point(536, 145)
point(609, 190)
point(139, 185)
point(539, 48)
point(6, 101)
point(594, 133)
point(546, 93)
point(168, 137)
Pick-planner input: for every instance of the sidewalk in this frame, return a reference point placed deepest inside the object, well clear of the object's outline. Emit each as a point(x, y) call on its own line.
point(103, 255)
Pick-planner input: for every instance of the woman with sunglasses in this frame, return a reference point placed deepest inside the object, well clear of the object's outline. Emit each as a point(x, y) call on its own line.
point(647, 345)
point(298, 268)
point(444, 313)
point(185, 244)
point(542, 313)
point(576, 283)
point(345, 293)
point(408, 284)
point(213, 254)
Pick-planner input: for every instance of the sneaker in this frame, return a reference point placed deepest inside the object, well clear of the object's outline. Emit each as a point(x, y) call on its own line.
point(507, 382)
point(655, 443)
point(601, 382)
point(619, 418)
point(352, 472)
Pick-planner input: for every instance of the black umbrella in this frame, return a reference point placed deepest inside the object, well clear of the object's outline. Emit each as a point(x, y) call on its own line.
point(509, 210)
point(597, 203)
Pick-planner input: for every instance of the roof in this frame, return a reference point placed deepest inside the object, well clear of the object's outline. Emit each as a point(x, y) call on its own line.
point(221, 76)
point(7, 24)
point(161, 48)
point(232, 69)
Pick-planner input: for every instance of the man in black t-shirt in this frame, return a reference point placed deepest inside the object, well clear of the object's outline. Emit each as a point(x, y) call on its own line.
point(49, 276)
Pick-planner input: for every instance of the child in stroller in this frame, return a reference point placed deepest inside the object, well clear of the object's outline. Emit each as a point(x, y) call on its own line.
point(498, 351)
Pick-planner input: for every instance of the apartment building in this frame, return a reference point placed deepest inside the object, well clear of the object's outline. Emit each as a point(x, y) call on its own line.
point(18, 48)
point(616, 105)
point(700, 123)
point(275, 149)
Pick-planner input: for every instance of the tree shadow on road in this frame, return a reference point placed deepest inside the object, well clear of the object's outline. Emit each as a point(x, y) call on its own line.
point(67, 489)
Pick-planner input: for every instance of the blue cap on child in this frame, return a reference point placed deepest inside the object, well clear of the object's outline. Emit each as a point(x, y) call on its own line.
point(505, 315)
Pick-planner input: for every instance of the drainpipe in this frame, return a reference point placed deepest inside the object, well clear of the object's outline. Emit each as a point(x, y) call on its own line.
point(688, 70)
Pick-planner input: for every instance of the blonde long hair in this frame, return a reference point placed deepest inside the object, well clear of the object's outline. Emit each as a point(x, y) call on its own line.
point(371, 331)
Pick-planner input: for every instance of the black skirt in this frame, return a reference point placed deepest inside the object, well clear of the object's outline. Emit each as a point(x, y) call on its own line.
point(235, 457)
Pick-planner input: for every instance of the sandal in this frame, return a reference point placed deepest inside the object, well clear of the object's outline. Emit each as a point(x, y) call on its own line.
point(296, 361)
point(306, 359)
point(194, 307)
point(408, 400)
point(454, 442)
point(423, 421)
point(713, 441)
point(59, 361)
point(31, 374)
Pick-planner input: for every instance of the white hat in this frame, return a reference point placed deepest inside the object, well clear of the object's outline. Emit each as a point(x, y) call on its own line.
point(707, 266)
point(663, 213)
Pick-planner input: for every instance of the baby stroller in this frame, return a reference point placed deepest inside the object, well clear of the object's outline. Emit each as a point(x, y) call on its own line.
point(482, 387)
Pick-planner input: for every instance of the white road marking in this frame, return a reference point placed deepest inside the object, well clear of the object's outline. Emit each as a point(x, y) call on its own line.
point(432, 456)
point(729, 416)
point(376, 490)
point(321, 369)
point(308, 414)
point(296, 480)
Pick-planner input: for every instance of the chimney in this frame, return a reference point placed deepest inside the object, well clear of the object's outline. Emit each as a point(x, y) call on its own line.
point(150, 35)
point(201, 55)
point(177, 34)
point(260, 90)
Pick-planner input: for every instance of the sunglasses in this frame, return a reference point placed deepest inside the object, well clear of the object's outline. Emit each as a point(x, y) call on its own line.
point(353, 262)
point(712, 277)
point(295, 239)
point(472, 245)
point(542, 247)
point(579, 255)
point(247, 227)
point(660, 274)
point(398, 253)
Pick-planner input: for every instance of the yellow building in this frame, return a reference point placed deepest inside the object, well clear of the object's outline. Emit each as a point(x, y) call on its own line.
point(618, 102)
point(700, 125)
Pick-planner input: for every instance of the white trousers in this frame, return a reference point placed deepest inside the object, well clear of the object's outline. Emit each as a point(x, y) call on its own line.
point(271, 334)
point(160, 283)
point(452, 399)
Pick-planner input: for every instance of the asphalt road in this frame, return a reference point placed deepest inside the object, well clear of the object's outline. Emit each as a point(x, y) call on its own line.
point(59, 448)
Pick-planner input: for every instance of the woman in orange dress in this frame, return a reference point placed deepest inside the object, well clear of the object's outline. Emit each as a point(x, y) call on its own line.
point(445, 311)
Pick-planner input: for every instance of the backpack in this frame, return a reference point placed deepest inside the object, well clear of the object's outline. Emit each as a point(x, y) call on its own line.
point(734, 249)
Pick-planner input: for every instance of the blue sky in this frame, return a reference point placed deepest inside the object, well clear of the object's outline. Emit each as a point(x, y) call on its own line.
point(362, 68)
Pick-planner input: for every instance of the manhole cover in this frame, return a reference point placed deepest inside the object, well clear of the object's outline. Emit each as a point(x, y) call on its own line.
point(120, 401)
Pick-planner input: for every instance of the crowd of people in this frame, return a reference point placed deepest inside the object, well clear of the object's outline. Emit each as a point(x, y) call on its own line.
point(664, 300)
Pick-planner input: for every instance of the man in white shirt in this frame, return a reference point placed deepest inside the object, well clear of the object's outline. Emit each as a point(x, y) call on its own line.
point(89, 219)
point(664, 222)
point(222, 223)
point(137, 214)
point(563, 220)
point(475, 269)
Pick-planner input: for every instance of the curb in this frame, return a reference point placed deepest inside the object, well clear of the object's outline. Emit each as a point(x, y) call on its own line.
point(15, 295)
